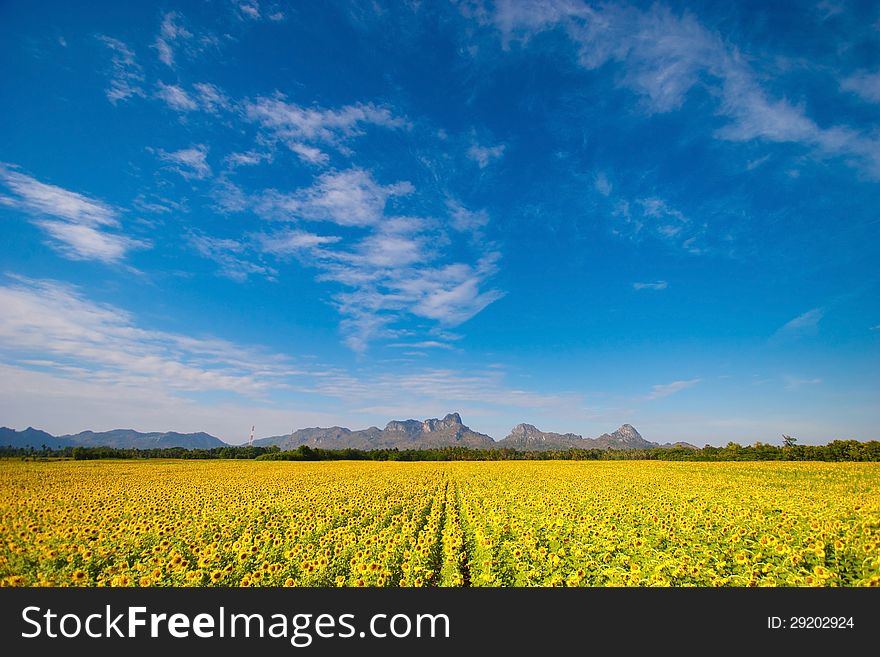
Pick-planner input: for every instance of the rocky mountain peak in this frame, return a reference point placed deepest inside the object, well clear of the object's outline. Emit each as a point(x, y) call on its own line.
point(628, 433)
point(524, 430)
point(452, 418)
point(451, 422)
point(404, 426)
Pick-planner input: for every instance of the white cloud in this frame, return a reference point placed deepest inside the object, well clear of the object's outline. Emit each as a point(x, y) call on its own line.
point(211, 98)
point(170, 32)
point(80, 403)
point(77, 399)
point(603, 185)
point(79, 242)
point(436, 391)
point(301, 128)
point(454, 301)
point(464, 220)
point(206, 97)
point(126, 75)
point(292, 242)
point(189, 162)
point(794, 382)
point(348, 198)
point(158, 204)
point(176, 98)
point(232, 257)
point(655, 217)
point(102, 343)
point(804, 323)
point(228, 197)
point(660, 209)
point(663, 56)
point(664, 390)
point(396, 267)
point(69, 363)
point(485, 155)
point(658, 285)
point(249, 9)
point(41, 198)
point(863, 84)
point(423, 344)
point(80, 228)
point(310, 154)
point(247, 158)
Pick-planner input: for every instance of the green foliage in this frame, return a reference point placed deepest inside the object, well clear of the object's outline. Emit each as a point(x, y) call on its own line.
point(838, 450)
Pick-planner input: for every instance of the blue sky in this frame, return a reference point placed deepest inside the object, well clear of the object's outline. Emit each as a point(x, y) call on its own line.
point(221, 214)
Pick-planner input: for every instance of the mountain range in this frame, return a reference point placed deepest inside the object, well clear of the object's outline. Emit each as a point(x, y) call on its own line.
point(118, 438)
point(398, 434)
point(528, 438)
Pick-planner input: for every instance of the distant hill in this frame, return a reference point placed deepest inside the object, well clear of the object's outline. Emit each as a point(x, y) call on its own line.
point(397, 434)
point(432, 433)
point(31, 437)
point(131, 439)
point(118, 438)
point(528, 438)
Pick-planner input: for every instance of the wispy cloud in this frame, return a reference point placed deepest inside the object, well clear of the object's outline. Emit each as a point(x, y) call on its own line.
point(80, 226)
point(666, 389)
point(249, 9)
point(603, 185)
point(663, 56)
point(252, 10)
point(42, 198)
point(57, 344)
point(293, 242)
point(863, 84)
point(171, 31)
point(397, 266)
point(126, 75)
point(437, 388)
point(422, 344)
point(465, 220)
point(806, 322)
point(78, 242)
point(189, 162)
point(348, 198)
point(794, 382)
point(101, 343)
point(234, 258)
point(303, 130)
point(485, 155)
point(211, 98)
point(657, 285)
point(79, 401)
point(248, 158)
point(176, 98)
point(637, 218)
point(391, 273)
point(205, 97)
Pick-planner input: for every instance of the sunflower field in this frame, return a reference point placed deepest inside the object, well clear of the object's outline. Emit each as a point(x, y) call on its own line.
point(527, 523)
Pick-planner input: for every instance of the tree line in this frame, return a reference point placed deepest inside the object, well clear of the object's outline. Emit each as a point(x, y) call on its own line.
point(838, 450)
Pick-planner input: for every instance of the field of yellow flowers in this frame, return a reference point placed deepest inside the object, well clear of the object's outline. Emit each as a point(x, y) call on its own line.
point(528, 523)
